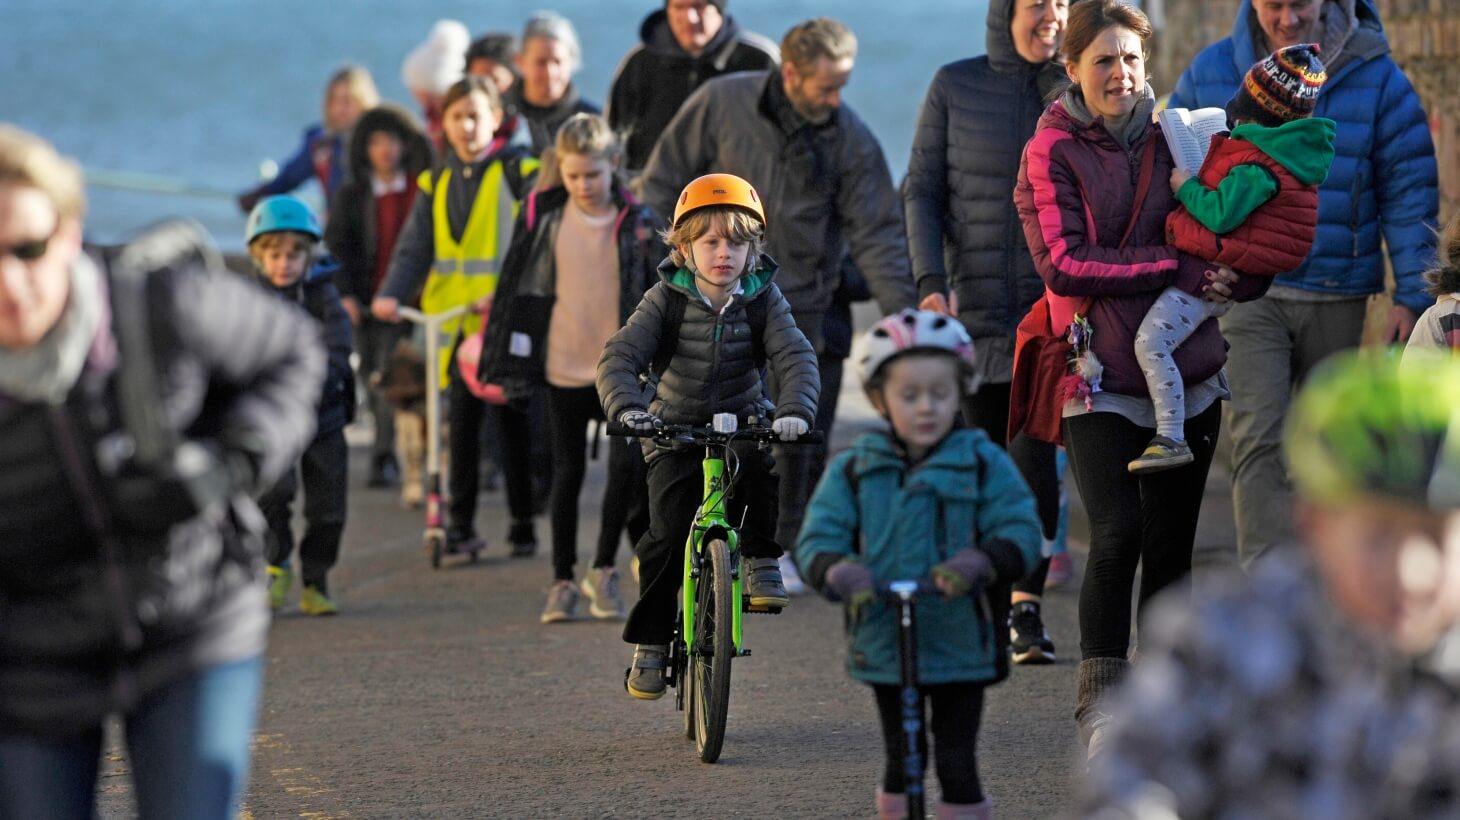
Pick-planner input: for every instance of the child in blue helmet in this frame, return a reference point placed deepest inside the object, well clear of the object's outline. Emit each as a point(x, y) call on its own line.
point(923, 500)
point(282, 234)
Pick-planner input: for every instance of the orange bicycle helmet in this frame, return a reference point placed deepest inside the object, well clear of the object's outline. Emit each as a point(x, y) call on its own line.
point(718, 189)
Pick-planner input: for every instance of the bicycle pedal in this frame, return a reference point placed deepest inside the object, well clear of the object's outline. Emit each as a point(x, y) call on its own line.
point(763, 610)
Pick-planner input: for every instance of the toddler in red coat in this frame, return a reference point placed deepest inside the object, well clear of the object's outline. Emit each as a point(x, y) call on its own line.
point(1252, 207)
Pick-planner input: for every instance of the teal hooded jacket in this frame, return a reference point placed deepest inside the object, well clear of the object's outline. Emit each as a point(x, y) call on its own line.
point(901, 520)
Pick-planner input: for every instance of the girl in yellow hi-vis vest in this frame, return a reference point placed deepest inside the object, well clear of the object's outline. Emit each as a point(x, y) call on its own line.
point(450, 253)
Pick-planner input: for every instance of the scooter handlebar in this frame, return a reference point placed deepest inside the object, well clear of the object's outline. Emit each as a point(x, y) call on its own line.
point(909, 588)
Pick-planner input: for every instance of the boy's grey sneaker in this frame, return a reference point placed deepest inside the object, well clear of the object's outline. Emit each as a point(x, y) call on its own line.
point(644, 679)
point(1161, 454)
point(763, 586)
point(562, 602)
point(601, 588)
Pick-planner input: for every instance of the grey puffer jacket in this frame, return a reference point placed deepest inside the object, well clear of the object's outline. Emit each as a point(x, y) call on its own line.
point(963, 228)
point(826, 188)
point(98, 610)
point(713, 368)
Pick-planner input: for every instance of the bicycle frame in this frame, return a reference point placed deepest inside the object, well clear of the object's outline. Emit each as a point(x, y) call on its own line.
point(710, 519)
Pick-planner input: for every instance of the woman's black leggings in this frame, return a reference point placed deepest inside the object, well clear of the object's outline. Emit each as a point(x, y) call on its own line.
point(957, 709)
point(570, 411)
point(1150, 520)
point(988, 409)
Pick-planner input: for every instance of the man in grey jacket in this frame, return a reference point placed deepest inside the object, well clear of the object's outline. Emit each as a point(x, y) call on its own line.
point(827, 191)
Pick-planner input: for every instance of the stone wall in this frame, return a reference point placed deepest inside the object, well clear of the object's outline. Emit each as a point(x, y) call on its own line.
point(1424, 34)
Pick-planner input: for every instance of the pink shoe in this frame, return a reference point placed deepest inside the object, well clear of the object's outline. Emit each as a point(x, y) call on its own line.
point(891, 806)
point(966, 811)
point(1061, 570)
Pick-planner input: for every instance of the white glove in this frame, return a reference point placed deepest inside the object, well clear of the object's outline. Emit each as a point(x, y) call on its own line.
point(789, 428)
point(638, 419)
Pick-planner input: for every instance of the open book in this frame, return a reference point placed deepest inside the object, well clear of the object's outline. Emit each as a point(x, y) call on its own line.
point(1189, 133)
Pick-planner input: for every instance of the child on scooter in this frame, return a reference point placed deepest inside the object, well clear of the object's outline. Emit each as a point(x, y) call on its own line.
point(923, 500)
point(717, 310)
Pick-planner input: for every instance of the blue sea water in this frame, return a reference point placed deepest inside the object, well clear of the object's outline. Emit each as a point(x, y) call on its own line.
point(202, 91)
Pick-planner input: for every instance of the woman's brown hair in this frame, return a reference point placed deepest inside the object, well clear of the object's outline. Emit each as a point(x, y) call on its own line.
point(1090, 17)
point(1445, 278)
point(467, 86)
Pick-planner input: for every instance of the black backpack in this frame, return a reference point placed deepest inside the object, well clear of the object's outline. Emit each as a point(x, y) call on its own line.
point(756, 311)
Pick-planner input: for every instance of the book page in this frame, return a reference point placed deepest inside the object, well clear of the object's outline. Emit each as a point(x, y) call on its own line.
point(1189, 134)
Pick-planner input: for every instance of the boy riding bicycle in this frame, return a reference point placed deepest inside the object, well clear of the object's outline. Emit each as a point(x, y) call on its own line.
point(705, 331)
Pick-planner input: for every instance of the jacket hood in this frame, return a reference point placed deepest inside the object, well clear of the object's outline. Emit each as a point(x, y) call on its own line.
point(659, 39)
point(1069, 113)
point(1005, 58)
point(1304, 146)
point(755, 282)
point(1364, 41)
point(391, 118)
point(563, 108)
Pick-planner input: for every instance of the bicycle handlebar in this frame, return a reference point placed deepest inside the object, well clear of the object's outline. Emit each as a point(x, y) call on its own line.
point(912, 589)
point(689, 434)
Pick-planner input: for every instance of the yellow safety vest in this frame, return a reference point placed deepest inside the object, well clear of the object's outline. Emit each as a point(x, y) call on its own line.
point(465, 271)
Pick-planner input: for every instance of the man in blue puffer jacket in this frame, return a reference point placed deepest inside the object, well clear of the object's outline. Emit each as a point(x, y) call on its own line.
point(1383, 186)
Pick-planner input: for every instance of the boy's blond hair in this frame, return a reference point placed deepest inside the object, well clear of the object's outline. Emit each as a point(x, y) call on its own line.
point(735, 224)
point(269, 241)
point(28, 161)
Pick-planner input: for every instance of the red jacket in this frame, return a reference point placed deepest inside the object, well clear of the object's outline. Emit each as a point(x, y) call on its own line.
point(1273, 239)
point(1075, 194)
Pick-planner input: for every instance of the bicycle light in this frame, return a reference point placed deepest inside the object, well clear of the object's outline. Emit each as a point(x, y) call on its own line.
point(724, 423)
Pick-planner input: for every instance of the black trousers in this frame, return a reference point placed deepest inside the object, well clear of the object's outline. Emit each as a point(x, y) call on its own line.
point(676, 489)
point(801, 466)
point(570, 411)
point(374, 342)
point(1148, 521)
point(988, 409)
point(957, 710)
point(465, 415)
point(324, 472)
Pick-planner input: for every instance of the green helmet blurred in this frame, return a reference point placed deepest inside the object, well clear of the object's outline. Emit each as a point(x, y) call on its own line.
point(1365, 425)
point(281, 213)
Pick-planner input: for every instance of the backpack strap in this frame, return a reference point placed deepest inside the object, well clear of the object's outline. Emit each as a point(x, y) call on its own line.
point(668, 332)
point(757, 311)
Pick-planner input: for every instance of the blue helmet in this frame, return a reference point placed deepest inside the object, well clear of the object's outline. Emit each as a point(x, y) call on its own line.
point(281, 213)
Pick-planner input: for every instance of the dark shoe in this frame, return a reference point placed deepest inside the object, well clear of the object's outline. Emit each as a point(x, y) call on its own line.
point(1161, 454)
point(1028, 640)
point(383, 472)
point(464, 541)
point(645, 676)
point(523, 539)
point(763, 586)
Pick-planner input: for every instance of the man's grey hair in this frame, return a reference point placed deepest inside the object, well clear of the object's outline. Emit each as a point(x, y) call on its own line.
point(555, 26)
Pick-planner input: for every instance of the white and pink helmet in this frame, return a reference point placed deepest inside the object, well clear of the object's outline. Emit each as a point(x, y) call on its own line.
point(910, 330)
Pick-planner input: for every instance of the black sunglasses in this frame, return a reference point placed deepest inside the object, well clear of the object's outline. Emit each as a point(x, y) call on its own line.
point(27, 251)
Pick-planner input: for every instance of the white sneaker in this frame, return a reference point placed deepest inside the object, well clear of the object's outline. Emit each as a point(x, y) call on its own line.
point(790, 577)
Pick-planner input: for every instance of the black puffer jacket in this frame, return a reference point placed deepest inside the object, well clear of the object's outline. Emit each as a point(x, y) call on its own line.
point(826, 188)
point(523, 303)
point(351, 230)
point(93, 620)
point(657, 76)
point(713, 369)
point(962, 226)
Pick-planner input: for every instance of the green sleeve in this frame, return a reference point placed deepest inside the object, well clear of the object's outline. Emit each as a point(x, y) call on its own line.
point(1241, 191)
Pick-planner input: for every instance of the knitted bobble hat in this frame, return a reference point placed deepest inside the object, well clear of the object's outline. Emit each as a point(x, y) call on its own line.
point(1281, 88)
point(438, 62)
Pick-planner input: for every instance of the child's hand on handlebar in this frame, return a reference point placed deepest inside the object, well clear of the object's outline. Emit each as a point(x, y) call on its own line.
point(385, 309)
point(790, 428)
point(639, 420)
point(961, 571)
point(848, 581)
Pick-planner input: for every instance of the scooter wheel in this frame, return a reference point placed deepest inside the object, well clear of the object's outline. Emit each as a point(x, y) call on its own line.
point(435, 546)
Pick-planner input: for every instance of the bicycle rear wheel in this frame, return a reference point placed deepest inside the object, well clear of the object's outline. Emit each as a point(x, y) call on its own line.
point(709, 665)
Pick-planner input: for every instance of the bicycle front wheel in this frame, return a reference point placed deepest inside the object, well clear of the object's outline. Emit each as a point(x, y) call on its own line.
point(714, 650)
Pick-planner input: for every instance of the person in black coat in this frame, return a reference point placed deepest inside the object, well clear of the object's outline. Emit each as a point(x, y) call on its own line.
point(130, 546)
point(546, 97)
point(685, 44)
point(282, 234)
point(965, 234)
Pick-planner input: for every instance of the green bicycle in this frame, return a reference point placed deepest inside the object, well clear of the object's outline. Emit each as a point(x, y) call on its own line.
point(707, 633)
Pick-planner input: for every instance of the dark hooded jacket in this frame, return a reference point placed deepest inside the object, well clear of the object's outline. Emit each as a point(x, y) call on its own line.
point(100, 610)
point(963, 230)
point(713, 369)
point(351, 230)
point(315, 292)
point(657, 76)
point(543, 123)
